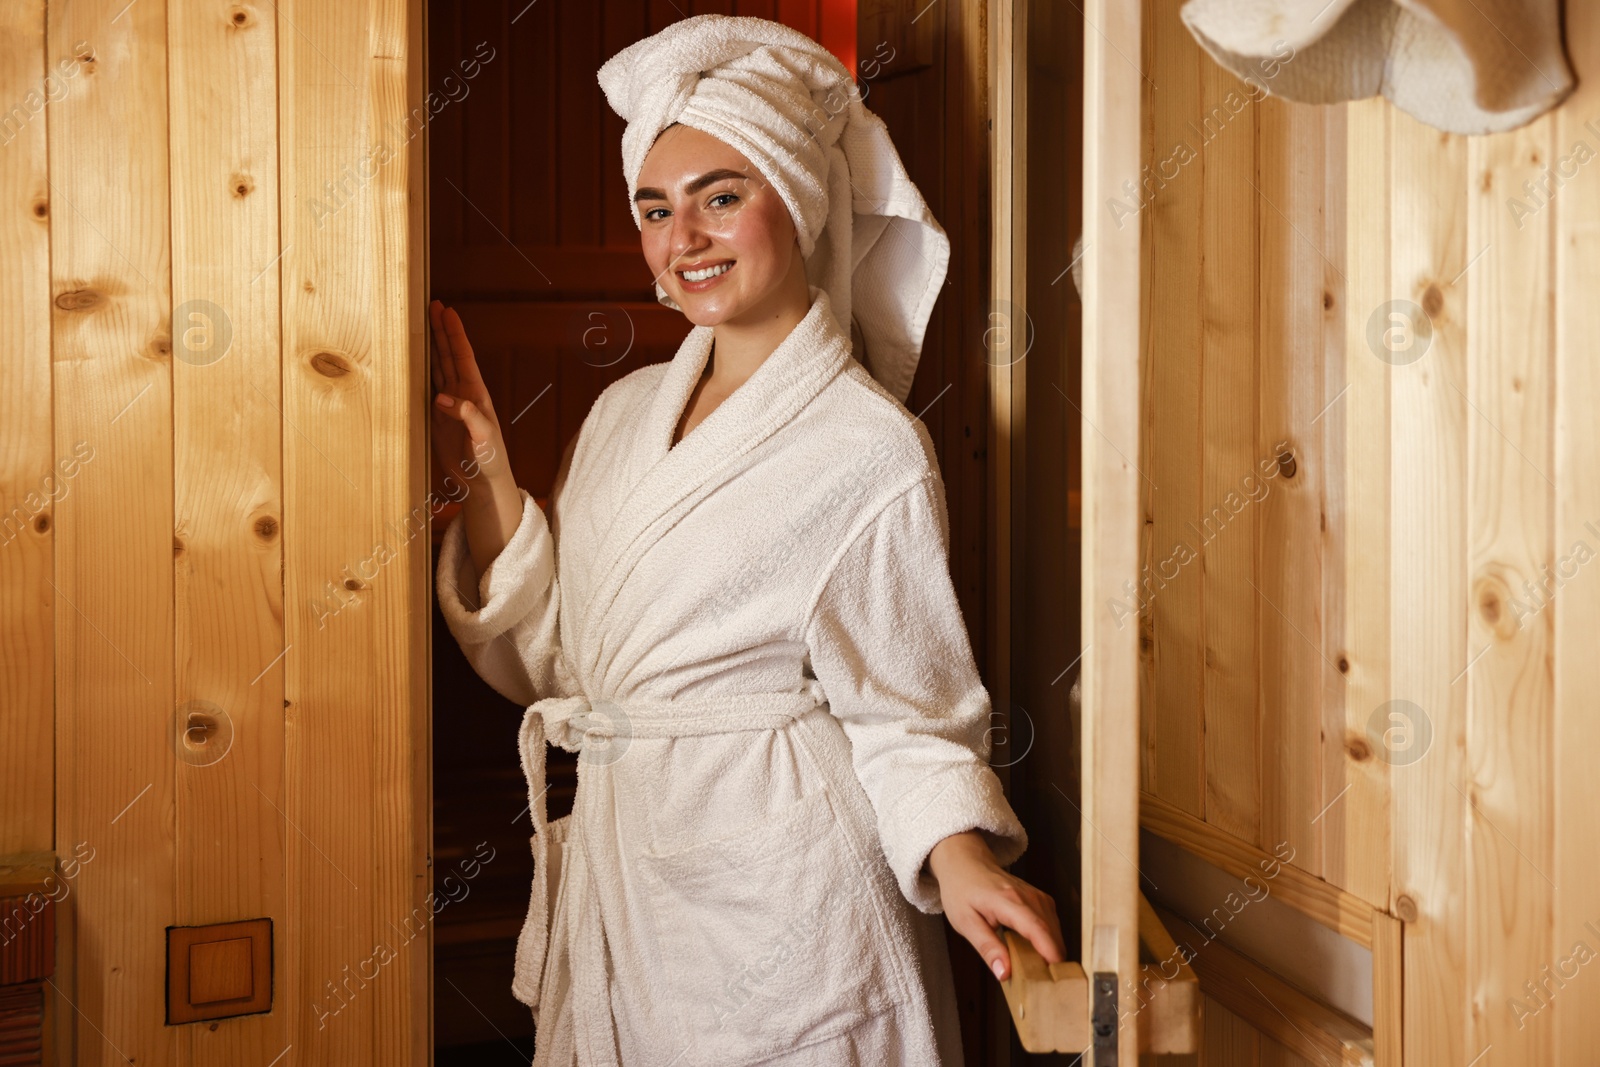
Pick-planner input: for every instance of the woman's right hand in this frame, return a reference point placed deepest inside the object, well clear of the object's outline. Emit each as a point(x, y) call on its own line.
point(466, 433)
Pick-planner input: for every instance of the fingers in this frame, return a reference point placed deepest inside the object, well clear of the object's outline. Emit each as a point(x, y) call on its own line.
point(441, 367)
point(1027, 916)
point(464, 362)
point(986, 940)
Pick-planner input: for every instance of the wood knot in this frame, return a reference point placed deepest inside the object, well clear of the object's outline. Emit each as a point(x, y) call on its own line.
point(42, 523)
point(330, 365)
point(1286, 464)
point(1344, 665)
point(309, 287)
point(1516, 385)
point(243, 185)
point(1486, 183)
point(266, 527)
point(177, 546)
point(1405, 909)
point(1327, 300)
point(80, 299)
point(1432, 300)
point(354, 583)
point(1491, 596)
point(240, 17)
point(161, 347)
point(1357, 747)
point(41, 208)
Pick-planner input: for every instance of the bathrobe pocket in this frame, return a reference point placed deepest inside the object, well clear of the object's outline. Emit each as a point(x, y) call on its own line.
point(769, 938)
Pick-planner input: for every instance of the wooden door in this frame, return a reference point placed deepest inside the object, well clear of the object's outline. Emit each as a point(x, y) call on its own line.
point(1065, 393)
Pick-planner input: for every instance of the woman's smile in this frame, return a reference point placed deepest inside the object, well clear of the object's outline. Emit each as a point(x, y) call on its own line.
point(704, 276)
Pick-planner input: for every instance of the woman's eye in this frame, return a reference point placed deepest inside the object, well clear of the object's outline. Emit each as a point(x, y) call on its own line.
point(651, 214)
point(716, 201)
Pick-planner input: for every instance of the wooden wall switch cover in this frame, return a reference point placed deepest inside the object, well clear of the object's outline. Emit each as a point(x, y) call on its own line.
point(217, 971)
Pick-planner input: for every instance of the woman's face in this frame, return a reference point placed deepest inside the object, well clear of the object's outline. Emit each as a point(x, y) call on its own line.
point(716, 235)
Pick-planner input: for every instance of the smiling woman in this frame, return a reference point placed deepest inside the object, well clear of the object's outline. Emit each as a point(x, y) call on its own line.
point(739, 611)
point(713, 221)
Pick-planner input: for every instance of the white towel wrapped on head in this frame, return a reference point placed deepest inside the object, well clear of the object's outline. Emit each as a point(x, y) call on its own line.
point(793, 110)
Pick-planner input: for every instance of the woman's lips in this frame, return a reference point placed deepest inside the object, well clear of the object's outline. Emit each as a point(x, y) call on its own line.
point(702, 286)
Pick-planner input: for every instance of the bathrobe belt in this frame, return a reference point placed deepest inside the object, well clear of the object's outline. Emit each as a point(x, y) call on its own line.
point(599, 730)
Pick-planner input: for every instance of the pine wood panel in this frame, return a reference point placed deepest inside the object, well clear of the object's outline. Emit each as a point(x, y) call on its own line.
point(1170, 489)
point(1510, 348)
point(113, 582)
point(1229, 365)
point(353, 469)
point(1574, 1016)
point(30, 482)
point(1296, 272)
point(1428, 506)
point(1355, 426)
point(1246, 542)
point(1111, 498)
point(227, 524)
point(1229, 1040)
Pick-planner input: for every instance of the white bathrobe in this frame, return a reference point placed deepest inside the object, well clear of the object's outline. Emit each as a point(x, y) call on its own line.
point(753, 640)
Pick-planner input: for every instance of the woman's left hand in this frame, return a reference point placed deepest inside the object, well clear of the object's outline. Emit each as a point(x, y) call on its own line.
point(979, 895)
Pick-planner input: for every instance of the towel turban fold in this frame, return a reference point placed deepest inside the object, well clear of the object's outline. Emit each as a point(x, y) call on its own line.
point(792, 109)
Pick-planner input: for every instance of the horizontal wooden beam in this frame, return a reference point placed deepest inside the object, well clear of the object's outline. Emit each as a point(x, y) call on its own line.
point(1300, 1023)
point(1341, 912)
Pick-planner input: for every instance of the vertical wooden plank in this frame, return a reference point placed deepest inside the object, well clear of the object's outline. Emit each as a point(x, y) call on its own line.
point(30, 481)
point(1170, 191)
point(1111, 519)
point(352, 485)
point(416, 482)
point(1229, 1040)
point(1511, 498)
point(1576, 620)
point(110, 278)
point(1005, 62)
point(333, 508)
point(1353, 814)
point(1232, 482)
point(1419, 727)
point(1291, 156)
point(226, 489)
point(1388, 991)
point(397, 671)
point(1354, 427)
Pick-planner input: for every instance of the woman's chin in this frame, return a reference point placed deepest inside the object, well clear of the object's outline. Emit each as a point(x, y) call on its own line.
point(707, 312)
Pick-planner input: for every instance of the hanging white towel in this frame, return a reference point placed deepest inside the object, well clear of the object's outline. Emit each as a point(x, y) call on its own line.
point(1467, 66)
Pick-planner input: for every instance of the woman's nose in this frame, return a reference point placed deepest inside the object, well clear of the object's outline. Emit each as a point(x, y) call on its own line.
point(688, 234)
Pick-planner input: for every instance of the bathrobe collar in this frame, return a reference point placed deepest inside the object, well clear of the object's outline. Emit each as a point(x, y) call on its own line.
point(669, 480)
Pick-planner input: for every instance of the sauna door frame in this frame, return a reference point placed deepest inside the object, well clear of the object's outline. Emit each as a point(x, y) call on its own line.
point(1110, 441)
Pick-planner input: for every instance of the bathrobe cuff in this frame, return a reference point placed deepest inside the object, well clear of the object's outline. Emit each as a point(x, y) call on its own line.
point(890, 647)
point(505, 619)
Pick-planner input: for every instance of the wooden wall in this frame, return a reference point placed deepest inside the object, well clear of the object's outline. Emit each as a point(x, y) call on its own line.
point(1379, 650)
point(211, 665)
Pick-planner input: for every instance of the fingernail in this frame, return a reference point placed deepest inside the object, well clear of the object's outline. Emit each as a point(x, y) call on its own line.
point(999, 969)
point(446, 401)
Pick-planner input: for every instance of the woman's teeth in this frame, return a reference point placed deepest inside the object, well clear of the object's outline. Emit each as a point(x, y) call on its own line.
point(709, 272)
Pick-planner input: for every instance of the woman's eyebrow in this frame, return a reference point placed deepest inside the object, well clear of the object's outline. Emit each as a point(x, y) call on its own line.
point(692, 187)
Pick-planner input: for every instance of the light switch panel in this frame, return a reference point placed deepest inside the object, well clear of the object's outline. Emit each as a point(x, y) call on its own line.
point(217, 971)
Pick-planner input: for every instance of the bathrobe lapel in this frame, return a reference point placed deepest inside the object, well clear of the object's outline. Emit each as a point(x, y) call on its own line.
point(676, 478)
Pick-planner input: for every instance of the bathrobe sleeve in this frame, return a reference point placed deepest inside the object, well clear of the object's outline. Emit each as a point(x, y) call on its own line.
point(506, 619)
point(890, 648)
